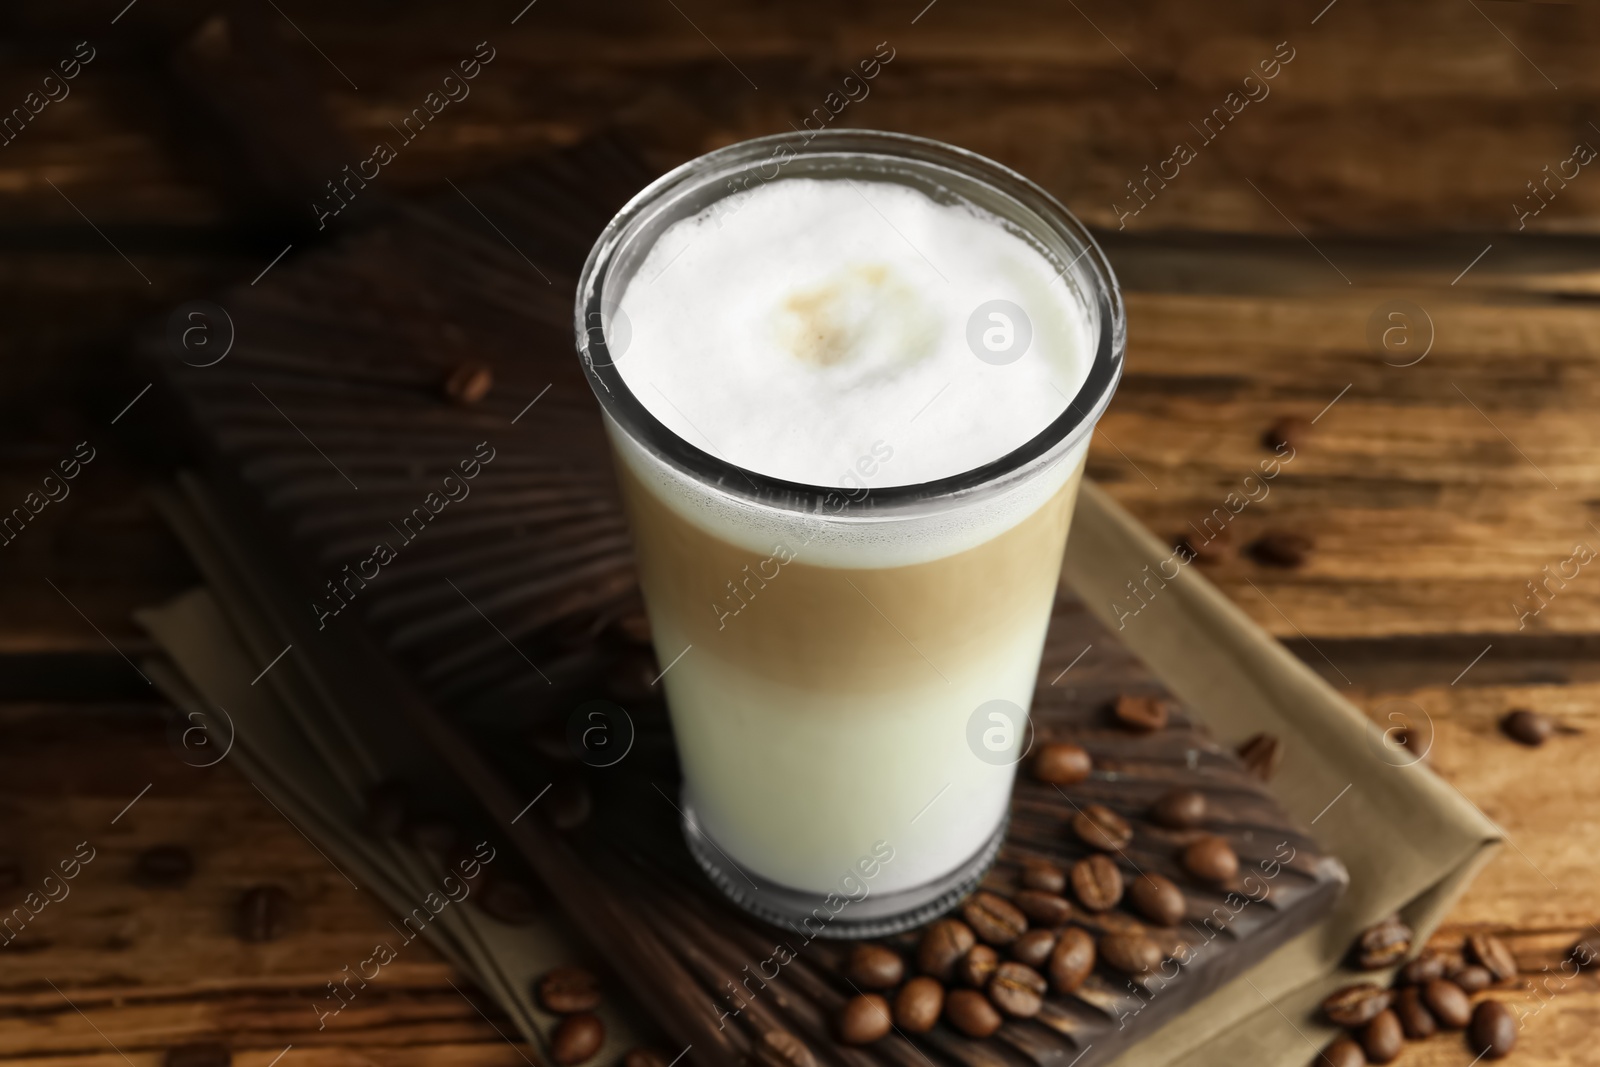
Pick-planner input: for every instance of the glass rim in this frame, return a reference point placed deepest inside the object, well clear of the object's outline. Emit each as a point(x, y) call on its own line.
point(715, 169)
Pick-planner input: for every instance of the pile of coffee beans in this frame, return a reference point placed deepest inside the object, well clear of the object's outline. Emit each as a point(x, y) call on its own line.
point(1004, 953)
point(572, 993)
point(1431, 992)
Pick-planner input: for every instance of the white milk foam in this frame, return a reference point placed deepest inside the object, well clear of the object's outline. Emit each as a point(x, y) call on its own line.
point(798, 323)
point(817, 331)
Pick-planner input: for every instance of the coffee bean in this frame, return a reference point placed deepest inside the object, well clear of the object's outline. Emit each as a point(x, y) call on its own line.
point(1422, 970)
point(1158, 899)
point(918, 1004)
point(1045, 909)
point(1034, 947)
point(1383, 945)
point(510, 902)
point(1261, 755)
point(434, 835)
point(1211, 858)
point(1415, 1019)
point(780, 1048)
point(577, 1038)
point(1133, 953)
point(1383, 1039)
point(1195, 548)
point(468, 383)
point(970, 1012)
point(1493, 954)
point(1044, 877)
point(264, 914)
point(1454, 961)
point(978, 966)
point(569, 804)
point(943, 944)
point(1072, 959)
point(865, 1019)
point(875, 966)
point(1145, 714)
point(1291, 432)
point(1180, 809)
point(200, 1054)
point(993, 918)
point(568, 991)
point(1097, 882)
point(386, 809)
point(1099, 827)
point(643, 1057)
point(1584, 953)
point(163, 867)
point(1280, 549)
point(1017, 990)
point(1344, 1052)
point(1473, 978)
point(1527, 727)
point(1448, 1004)
point(1062, 764)
point(1494, 1029)
point(1356, 1005)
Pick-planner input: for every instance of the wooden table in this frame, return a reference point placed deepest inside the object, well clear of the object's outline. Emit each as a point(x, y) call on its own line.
point(1383, 165)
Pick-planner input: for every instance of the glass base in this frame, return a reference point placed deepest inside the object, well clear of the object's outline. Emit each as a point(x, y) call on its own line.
point(875, 915)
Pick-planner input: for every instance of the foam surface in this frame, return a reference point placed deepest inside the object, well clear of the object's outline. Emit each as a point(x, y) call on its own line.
point(817, 331)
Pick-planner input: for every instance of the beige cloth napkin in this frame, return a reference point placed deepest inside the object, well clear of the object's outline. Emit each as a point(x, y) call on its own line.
point(1410, 842)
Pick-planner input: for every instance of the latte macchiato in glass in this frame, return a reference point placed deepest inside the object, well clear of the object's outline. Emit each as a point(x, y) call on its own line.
point(849, 384)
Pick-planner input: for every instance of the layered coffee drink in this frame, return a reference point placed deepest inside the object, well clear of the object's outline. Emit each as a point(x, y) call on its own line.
point(849, 405)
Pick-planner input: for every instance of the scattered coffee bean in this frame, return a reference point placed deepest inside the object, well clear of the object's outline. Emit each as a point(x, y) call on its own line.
point(264, 913)
point(780, 1048)
point(918, 1004)
point(1158, 899)
point(434, 835)
point(1383, 945)
point(468, 383)
point(1422, 970)
point(577, 1038)
point(1017, 990)
point(1344, 1052)
point(200, 1054)
point(1291, 432)
point(1043, 877)
point(386, 809)
point(943, 944)
point(1473, 978)
point(1180, 809)
point(1454, 961)
point(1527, 727)
point(569, 804)
point(1099, 827)
point(1145, 714)
point(875, 966)
point(163, 867)
point(978, 966)
point(1280, 548)
point(1097, 882)
point(1261, 755)
point(510, 902)
point(643, 1057)
point(1356, 1005)
point(970, 1012)
point(1211, 858)
point(1072, 959)
point(1415, 1019)
point(1494, 1029)
point(568, 991)
point(1493, 954)
point(1447, 1003)
point(1585, 953)
point(865, 1019)
point(1045, 909)
point(1383, 1039)
point(1133, 953)
point(1062, 764)
point(994, 918)
point(1196, 548)
point(1033, 948)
